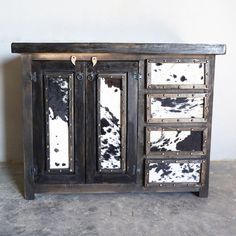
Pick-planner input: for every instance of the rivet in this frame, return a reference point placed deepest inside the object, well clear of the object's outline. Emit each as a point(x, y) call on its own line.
point(164, 60)
point(70, 170)
point(48, 170)
point(174, 185)
point(177, 95)
point(162, 120)
point(193, 95)
point(178, 60)
point(163, 95)
point(177, 153)
point(193, 86)
point(162, 161)
point(191, 153)
point(194, 60)
point(206, 61)
point(191, 120)
point(177, 120)
point(163, 154)
point(160, 185)
point(148, 74)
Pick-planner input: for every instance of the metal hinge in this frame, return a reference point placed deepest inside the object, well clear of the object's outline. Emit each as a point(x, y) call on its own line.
point(33, 77)
point(34, 171)
point(134, 169)
point(137, 76)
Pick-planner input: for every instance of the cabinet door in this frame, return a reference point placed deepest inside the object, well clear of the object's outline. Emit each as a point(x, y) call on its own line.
point(55, 133)
point(111, 122)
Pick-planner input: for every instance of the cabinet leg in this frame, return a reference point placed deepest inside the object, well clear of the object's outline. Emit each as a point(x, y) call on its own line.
point(28, 190)
point(203, 193)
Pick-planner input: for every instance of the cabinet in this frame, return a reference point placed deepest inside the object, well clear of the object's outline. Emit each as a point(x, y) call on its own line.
point(117, 117)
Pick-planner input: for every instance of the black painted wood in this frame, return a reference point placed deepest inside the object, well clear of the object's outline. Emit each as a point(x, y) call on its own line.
point(29, 166)
point(136, 48)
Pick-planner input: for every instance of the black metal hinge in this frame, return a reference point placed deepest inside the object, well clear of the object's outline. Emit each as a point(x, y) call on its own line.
point(33, 77)
point(137, 76)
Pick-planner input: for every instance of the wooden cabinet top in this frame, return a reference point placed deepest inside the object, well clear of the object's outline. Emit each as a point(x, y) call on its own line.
point(125, 48)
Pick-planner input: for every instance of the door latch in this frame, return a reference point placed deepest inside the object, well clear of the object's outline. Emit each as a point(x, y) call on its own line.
point(73, 60)
point(94, 60)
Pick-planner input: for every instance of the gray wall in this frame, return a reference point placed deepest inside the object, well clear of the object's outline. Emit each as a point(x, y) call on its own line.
point(201, 21)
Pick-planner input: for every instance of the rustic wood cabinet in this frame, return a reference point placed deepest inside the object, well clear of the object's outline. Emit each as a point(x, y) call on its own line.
point(102, 117)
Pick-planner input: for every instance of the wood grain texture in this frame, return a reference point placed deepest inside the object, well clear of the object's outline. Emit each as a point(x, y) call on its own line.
point(148, 48)
point(28, 129)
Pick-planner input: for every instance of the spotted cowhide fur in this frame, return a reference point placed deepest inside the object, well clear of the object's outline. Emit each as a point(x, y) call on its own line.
point(110, 119)
point(177, 73)
point(58, 109)
point(174, 172)
point(179, 107)
point(163, 140)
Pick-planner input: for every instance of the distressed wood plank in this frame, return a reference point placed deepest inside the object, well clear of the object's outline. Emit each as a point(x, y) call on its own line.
point(149, 48)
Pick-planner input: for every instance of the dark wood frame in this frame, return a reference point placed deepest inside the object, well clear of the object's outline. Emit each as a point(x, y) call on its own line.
point(141, 53)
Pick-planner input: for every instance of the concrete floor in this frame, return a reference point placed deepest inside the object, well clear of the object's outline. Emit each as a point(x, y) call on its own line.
point(179, 214)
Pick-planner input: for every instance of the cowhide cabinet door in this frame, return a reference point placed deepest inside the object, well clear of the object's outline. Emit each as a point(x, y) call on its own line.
point(58, 114)
point(111, 142)
point(78, 144)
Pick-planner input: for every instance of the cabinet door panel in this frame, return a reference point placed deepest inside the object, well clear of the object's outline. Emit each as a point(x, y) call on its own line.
point(111, 130)
point(58, 110)
point(58, 149)
point(111, 99)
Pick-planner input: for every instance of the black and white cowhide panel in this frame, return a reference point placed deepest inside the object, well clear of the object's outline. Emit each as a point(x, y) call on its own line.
point(179, 107)
point(110, 119)
point(163, 140)
point(177, 73)
point(174, 172)
point(58, 108)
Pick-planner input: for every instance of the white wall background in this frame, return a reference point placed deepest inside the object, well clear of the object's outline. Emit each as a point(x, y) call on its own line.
point(202, 21)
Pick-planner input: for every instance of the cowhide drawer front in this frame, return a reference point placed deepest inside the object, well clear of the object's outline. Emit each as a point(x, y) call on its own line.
point(177, 73)
point(169, 172)
point(177, 108)
point(175, 141)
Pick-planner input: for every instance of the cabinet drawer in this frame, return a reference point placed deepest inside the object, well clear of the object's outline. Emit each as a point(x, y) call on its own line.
point(175, 141)
point(182, 73)
point(177, 108)
point(174, 173)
